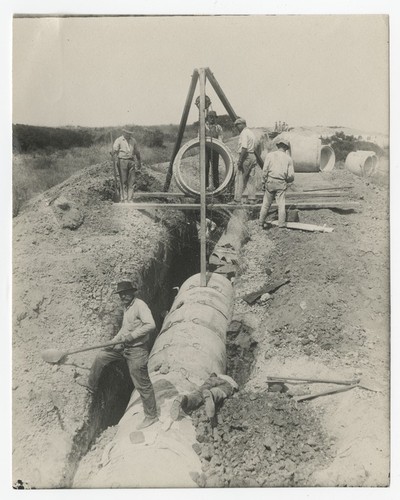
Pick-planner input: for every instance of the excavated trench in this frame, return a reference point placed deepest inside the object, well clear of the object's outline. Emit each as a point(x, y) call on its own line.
point(160, 284)
point(257, 439)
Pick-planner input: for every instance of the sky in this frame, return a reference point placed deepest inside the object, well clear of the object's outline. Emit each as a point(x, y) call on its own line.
point(101, 71)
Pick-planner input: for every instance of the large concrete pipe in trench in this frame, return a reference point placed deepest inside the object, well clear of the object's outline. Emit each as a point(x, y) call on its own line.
point(362, 163)
point(308, 154)
point(217, 146)
point(190, 346)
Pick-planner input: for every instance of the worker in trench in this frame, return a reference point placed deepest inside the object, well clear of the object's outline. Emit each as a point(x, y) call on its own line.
point(278, 172)
point(246, 165)
point(125, 148)
point(213, 131)
point(211, 393)
point(134, 338)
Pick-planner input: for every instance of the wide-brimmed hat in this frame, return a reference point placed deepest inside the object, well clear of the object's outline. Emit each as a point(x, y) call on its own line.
point(285, 142)
point(212, 113)
point(239, 121)
point(125, 286)
point(128, 131)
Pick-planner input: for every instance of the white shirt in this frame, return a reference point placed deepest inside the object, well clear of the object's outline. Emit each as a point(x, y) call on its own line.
point(137, 324)
point(246, 140)
point(124, 148)
point(278, 165)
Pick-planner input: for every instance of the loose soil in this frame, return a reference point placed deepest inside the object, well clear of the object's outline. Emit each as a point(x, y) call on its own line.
point(331, 320)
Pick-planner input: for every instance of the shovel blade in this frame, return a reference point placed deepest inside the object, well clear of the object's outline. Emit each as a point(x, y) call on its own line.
point(53, 355)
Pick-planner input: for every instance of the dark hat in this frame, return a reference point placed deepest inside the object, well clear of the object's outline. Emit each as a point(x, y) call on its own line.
point(125, 286)
point(212, 113)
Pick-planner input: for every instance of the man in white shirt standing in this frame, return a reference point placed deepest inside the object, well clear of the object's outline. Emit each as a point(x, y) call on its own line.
point(247, 162)
point(278, 171)
point(134, 338)
point(125, 148)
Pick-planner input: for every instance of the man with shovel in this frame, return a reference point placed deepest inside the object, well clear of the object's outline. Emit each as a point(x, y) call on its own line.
point(133, 346)
point(125, 148)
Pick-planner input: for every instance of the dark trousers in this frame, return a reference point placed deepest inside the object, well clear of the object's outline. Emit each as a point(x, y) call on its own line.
point(219, 388)
point(137, 359)
point(212, 161)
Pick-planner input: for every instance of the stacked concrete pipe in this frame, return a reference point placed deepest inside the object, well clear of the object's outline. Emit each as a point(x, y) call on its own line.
point(308, 153)
point(190, 346)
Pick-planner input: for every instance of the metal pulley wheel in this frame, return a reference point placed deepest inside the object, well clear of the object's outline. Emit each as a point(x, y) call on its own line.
point(220, 148)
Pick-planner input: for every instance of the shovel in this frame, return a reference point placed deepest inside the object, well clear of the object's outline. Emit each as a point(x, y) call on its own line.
point(312, 380)
point(349, 383)
point(56, 355)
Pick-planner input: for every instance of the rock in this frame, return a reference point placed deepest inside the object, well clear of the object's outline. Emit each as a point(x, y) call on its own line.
point(207, 452)
point(215, 481)
point(196, 448)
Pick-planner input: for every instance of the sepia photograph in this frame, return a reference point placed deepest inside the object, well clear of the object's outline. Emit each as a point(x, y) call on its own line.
point(201, 278)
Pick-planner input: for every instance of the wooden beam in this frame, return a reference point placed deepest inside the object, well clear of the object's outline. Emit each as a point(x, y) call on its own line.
point(260, 194)
point(220, 93)
point(182, 125)
point(343, 205)
point(202, 165)
point(304, 227)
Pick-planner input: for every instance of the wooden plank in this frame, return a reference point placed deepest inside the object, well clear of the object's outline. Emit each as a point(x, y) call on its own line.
point(252, 297)
point(202, 135)
point(343, 205)
point(327, 188)
point(260, 194)
point(304, 227)
point(294, 194)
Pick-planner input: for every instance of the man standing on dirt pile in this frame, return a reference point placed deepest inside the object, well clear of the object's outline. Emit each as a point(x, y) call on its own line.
point(125, 148)
point(278, 171)
point(211, 393)
point(134, 337)
point(247, 162)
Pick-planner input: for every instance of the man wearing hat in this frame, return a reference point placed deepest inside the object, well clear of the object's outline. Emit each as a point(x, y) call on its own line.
point(213, 131)
point(133, 338)
point(278, 171)
point(125, 148)
point(246, 163)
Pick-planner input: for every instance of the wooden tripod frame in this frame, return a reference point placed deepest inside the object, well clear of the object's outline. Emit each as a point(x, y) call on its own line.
point(199, 74)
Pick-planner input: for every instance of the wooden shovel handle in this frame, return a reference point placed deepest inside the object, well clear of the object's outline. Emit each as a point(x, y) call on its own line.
point(98, 346)
point(325, 393)
point(313, 380)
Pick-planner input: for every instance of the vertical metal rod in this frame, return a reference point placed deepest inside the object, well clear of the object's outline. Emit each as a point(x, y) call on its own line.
point(203, 224)
point(182, 126)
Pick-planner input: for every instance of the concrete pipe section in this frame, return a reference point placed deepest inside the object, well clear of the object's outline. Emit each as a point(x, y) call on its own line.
point(308, 154)
point(362, 163)
point(190, 346)
point(217, 146)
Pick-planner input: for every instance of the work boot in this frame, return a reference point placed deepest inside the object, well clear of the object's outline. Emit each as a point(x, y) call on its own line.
point(177, 407)
point(84, 383)
point(147, 422)
point(209, 403)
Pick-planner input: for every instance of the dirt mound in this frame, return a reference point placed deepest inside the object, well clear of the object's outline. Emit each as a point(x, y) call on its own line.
point(261, 439)
point(71, 245)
